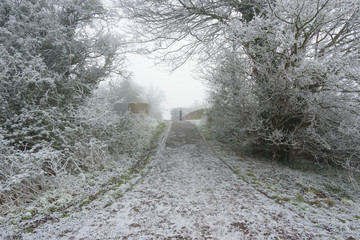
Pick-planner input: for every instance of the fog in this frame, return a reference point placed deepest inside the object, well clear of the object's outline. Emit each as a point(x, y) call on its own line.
point(181, 87)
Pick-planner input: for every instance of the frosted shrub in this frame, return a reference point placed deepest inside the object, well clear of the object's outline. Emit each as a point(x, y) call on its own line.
point(23, 175)
point(336, 141)
point(286, 89)
point(125, 133)
point(53, 54)
point(89, 138)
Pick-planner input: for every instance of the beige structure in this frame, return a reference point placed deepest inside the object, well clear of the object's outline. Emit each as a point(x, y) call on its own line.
point(195, 115)
point(139, 108)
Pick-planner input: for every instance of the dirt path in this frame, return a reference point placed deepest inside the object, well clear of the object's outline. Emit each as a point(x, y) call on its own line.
point(189, 194)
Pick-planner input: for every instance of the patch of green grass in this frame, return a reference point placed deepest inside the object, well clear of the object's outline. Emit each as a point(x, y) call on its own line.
point(337, 191)
point(125, 178)
point(250, 174)
point(117, 195)
point(204, 129)
point(160, 128)
point(120, 182)
point(26, 216)
point(133, 171)
point(342, 220)
point(357, 217)
point(52, 208)
point(317, 192)
point(329, 202)
point(334, 189)
point(84, 203)
point(299, 197)
point(286, 199)
point(31, 211)
point(13, 222)
point(346, 202)
point(113, 180)
point(257, 183)
point(316, 203)
point(276, 198)
point(279, 199)
point(99, 192)
point(91, 183)
point(311, 190)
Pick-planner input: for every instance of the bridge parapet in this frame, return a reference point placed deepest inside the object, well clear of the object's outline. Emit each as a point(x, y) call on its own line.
point(195, 115)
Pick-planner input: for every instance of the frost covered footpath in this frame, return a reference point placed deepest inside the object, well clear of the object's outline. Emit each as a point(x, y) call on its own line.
point(188, 194)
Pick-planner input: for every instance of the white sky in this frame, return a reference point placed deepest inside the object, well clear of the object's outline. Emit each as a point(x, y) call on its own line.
point(180, 87)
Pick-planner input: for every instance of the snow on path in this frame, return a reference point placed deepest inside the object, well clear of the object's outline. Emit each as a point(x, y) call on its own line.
point(188, 194)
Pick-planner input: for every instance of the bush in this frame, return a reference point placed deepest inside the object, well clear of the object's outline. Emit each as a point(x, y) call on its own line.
point(82, 140)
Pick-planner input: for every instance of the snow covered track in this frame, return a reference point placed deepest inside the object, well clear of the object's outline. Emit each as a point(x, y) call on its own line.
point(188, 194)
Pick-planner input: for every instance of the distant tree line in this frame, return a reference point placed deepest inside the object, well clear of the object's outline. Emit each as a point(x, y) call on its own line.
point(124, 91)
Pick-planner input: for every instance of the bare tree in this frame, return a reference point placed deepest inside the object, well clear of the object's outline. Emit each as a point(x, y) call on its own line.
point(296, 63)
point(154, 96)
point(182, 28)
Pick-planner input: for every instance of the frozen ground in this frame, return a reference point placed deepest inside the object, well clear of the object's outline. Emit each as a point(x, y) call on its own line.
point(326, 196)
point(188, 194)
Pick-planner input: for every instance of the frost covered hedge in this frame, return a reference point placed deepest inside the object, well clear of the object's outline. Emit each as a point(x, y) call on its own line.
point(288, 87)
point(53, 54)
point(89, 138)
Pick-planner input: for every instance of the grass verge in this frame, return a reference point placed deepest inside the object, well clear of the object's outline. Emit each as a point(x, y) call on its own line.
point(325, 196)
point(91, 190)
